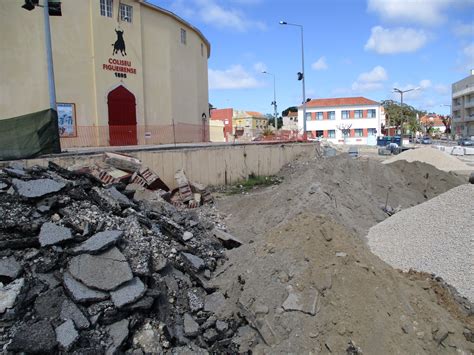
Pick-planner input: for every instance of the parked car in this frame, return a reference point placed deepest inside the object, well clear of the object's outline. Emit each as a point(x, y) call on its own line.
point(426, 140)
point(466, 142)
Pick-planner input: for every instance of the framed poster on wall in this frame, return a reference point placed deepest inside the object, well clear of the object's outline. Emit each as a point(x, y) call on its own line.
point(67, 120)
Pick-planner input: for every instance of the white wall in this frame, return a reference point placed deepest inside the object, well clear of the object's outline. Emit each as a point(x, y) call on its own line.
point(357, 123)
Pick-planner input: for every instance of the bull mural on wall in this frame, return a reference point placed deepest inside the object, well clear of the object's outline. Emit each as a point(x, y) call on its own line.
point(119, 45)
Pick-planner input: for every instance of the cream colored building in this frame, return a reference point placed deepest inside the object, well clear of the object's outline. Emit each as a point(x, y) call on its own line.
point(127, 72)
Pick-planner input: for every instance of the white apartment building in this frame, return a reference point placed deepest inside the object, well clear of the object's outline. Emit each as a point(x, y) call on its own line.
point(349, 120)
point(463, 106)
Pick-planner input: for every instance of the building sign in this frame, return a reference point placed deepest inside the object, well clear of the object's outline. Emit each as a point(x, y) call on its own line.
point(120, 67)
point(67, 120)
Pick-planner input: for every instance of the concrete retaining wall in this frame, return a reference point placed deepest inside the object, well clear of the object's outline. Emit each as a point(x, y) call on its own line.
point(207, 165)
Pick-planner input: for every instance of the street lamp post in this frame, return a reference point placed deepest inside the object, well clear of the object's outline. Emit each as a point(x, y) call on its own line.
point(274, 103)
point(401, 92)
point(302, 72)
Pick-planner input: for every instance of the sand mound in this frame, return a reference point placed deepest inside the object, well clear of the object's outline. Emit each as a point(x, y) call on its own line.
point(432, 156)
point(435, 237)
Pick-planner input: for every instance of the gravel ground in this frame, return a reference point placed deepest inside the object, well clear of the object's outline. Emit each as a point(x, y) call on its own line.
point(432, 156)
point(436, 237)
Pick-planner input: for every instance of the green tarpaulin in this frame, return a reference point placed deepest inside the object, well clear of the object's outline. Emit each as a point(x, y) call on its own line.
point(30, 135)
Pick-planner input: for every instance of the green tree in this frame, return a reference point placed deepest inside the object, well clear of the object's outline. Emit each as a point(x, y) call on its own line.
point(289, 109)
point(399, 116)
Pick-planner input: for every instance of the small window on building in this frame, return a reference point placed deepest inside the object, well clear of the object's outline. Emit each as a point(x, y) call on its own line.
point(106, 8)
point(359, 132)
point(332, 115)
point(183, 36)
point(331, 133)
point(358, 114)
point(126, 13)
point(345, 115)
point(372, 131)
point(319, 133)
point(308, 116)
point(319, 116)
point(371, 113)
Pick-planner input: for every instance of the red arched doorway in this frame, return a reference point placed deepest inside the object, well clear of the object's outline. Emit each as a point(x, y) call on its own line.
point(122, 117)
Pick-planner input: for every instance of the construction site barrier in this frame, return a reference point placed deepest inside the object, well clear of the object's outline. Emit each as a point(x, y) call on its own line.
point(101, 136)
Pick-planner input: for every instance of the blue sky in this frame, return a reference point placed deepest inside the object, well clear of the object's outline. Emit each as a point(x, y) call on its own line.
point(352, 48)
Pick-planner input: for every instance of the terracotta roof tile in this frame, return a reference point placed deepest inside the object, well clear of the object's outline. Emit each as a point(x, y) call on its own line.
point(341, 101)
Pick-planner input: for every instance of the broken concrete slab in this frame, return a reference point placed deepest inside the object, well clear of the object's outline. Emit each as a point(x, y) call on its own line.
point(10, 268)
point(66, 334)
point(128, 292)
point(99, 242)
point(118, 332)
point(305, 301)
point(9, 293)
point(123, 162)
point(105, 200)
point(193, 261)
point(214, 303)
point(210, 335)
point(123, 200)
point(191, 327)
point(38, 337)
point(37, 188)
point(48, 304)
point(104, 272)
point(152, 179)
point(69, 310)
point(81, 293)
point(222, 326)
point(52, 234)
point(228, 240)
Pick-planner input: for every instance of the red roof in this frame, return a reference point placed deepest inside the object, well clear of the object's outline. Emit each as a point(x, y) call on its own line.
point(341, 101)
point(437, 121)
point(255, 114)
point(223, 113)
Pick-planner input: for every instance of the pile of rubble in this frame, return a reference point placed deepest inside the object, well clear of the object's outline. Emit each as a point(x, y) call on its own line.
point(88, 267)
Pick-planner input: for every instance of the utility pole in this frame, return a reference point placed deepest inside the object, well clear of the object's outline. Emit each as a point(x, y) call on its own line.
point(274, 103)
point(401, 92)
point(301, 76)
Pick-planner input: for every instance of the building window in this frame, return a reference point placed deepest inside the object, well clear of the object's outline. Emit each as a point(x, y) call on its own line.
point(319, 116)
point(346, 132)
point(345, 115)
point(319, 133)
point(331, 133)
point(371, 113)
point(308, 116)
point(358, 114)
point(183, 36)
point(372, 131)
point(126, 12)
point(106, 8)
point(332, 115)
point(359, 132)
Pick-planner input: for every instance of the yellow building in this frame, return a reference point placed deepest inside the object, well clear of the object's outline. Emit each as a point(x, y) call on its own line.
point(249, 120)
point(127, 72)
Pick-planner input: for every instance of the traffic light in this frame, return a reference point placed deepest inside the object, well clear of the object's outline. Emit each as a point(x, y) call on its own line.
point(54, 7)
point(30, 4)
point(300, 76)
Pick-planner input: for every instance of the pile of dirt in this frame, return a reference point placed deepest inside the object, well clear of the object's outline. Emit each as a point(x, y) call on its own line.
point(435, 236)
point(311, 286)
point(305, 279)
point(354, 192)
point(432, 156)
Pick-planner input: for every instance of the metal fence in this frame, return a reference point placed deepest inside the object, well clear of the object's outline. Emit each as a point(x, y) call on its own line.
point(101, 136)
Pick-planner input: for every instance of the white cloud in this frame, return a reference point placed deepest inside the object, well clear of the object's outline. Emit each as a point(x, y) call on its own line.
point(320, 64)
point(212, 13)
point(426, 12)
point(371, 80)
point(425, 84)
point(236, 77)
point(259, 67)
point(464, 29)
point(397, 40)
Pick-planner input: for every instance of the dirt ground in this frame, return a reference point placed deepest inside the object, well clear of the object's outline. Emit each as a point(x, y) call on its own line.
point(308, 283)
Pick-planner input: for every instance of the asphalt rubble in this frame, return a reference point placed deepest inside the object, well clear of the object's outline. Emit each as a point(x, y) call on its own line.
point(91, 263)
